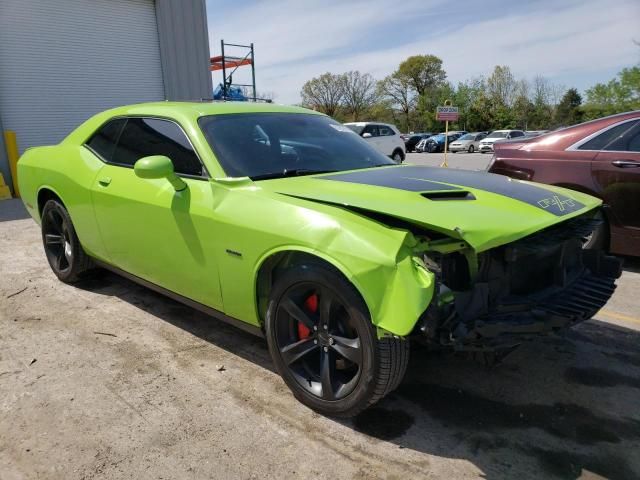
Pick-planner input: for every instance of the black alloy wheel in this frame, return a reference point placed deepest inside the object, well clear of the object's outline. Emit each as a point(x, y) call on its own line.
point(324, 345)
point(318, 340)
point(61, 244)
point(57, 241)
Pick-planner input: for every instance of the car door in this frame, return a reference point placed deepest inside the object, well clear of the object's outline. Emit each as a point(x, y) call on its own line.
point(374, 139)
point(149, 229)
point(387, 140)
point(616, 172)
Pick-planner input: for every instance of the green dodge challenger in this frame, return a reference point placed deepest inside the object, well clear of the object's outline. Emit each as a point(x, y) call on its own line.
point(286, 223)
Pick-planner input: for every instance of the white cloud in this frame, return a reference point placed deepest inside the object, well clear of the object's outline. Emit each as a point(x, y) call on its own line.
point(297, 40)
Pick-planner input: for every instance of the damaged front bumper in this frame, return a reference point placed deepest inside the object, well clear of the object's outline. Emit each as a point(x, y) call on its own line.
point(539, 284)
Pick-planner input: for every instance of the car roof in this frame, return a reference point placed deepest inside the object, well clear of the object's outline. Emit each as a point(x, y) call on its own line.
point(204, 108)
point(362, 124)
point(182, 112)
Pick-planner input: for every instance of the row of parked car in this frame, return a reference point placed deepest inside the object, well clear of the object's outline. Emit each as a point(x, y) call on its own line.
point(463, 141)
point(387, 139)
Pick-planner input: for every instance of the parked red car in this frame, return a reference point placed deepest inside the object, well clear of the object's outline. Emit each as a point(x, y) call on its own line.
point(601, 157)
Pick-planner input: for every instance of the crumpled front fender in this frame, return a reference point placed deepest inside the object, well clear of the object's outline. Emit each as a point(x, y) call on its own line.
point(398, 295)
point(394, 284)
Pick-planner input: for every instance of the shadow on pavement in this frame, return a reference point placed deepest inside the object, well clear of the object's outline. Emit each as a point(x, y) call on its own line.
point(555, 408)
point(12, 209)
point(631, 264)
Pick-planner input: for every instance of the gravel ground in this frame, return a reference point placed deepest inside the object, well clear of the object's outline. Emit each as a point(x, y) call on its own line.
point(109, 380)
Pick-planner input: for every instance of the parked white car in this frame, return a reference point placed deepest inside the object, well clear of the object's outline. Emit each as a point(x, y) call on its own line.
point(486, 145)
point(383, 136)
point(469, 142)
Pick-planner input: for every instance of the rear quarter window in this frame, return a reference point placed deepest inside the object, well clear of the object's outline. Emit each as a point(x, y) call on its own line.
point(611, 136)
point(103, 142)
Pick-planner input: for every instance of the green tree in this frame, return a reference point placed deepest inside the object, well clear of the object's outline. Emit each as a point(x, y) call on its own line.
point(501, 86)
point(424, 72)
point(542, 112)
point(396, 88)
point(358, 93)
point(568, 111)
point(464, 97)
point(482, 113)
point(323, 93)
point(620, 94)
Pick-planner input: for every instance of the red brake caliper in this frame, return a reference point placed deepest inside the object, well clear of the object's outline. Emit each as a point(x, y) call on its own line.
point(311, 305)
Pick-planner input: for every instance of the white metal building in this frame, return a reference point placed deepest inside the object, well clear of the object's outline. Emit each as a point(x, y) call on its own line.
point(65, 60)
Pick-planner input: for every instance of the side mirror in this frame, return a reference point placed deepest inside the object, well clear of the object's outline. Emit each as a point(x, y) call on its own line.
point(158, 166)
point(366, 135)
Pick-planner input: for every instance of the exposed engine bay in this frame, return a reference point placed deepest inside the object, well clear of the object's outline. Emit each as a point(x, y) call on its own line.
point(497, 299)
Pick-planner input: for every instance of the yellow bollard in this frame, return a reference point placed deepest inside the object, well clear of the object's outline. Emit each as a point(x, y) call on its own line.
point(11, 144)
point(5, 193)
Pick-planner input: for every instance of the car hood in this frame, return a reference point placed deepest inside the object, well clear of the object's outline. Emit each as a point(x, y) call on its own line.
point(484, 209)
point(491, 140)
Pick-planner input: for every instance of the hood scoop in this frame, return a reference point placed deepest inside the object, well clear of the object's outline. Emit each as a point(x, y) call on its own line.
point(449, 195)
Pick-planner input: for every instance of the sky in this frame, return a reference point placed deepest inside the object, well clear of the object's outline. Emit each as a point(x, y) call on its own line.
point(572, 43)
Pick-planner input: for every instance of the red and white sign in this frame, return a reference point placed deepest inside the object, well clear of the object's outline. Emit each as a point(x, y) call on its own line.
point(447, 113)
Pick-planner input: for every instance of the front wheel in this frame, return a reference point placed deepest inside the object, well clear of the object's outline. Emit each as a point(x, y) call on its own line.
point(324, 345)
point(61, 245)
point(599, 238)
point(471, 149)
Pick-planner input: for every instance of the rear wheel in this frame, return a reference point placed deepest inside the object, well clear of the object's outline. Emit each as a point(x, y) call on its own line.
point(61, 245)
point(397, 157)
point(324, 345)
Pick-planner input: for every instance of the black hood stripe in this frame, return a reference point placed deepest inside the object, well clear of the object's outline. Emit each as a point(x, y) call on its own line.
point(429, 179)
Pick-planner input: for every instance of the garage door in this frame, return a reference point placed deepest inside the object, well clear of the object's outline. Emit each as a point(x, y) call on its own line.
point(63, 61)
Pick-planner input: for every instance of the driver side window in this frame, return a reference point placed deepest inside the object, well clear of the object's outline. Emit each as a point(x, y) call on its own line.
point(371, 129)
point(142, 137)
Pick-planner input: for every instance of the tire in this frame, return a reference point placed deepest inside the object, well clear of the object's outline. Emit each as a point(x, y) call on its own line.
point(599, 238)
point(61, 245)
point(471, 149)
point(352, 387)
point(397, 156)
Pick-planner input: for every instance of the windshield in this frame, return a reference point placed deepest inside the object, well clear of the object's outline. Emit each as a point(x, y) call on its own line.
point(271, 145)
point(498, 135)
point(468, 136)
point(356, 128)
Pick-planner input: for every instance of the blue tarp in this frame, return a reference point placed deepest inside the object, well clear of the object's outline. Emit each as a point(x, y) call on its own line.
point(233, 93)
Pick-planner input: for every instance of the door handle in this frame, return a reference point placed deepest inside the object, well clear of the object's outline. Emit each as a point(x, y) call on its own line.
point(105, 181)
point(625, 164)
